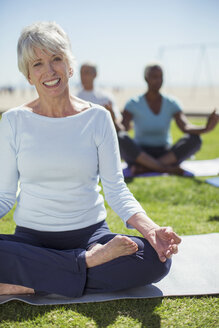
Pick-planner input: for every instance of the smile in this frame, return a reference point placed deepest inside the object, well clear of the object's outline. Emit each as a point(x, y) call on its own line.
point(52, 83)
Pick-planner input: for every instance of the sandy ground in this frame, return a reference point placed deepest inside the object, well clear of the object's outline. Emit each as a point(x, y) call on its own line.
point(194, 100)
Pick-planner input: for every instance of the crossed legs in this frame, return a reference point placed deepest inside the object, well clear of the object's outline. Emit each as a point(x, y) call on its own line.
point(110, 262)
point(97, 254)
point(158, 159)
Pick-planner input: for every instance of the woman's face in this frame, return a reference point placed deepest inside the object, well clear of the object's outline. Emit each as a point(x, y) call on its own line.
point(49, 73)
point(88, 75)
point(154, 79)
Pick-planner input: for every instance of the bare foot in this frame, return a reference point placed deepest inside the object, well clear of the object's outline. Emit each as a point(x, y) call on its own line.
point(175, 170)
point(139, 169)
point(6, 289)
point(171, 169)
point(118, 246)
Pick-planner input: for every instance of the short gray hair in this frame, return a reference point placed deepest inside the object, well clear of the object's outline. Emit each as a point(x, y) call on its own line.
point(45, 36)
point(151, 66)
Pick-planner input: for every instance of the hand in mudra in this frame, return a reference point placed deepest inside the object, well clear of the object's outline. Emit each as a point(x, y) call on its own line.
point(212, 121)
point(165, 241)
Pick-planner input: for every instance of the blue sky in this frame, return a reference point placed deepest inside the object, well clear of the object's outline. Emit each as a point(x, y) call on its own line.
point(122, 36)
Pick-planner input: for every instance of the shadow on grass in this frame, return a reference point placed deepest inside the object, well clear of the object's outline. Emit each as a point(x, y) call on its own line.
point(214, 218)
point(101, 314)
point(128, 180)
point(141, 311)
point(193, 178)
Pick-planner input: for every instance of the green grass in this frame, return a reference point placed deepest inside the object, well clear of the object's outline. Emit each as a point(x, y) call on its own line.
point(189, 205)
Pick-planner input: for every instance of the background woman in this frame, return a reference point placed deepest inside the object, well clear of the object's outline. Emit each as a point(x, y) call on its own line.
point(152, 114)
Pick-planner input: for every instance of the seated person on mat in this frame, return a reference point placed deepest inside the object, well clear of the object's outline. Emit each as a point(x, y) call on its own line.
point(59, 147)
point(88, 73)
point(152, 112)
point(88, 92)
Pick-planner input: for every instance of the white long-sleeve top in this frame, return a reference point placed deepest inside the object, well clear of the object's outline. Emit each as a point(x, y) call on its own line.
point(58, 162)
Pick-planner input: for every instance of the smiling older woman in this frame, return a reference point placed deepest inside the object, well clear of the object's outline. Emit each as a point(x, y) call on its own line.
point(58, 147)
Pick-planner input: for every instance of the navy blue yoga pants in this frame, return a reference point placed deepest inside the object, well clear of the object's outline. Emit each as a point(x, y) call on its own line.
point(54, 262)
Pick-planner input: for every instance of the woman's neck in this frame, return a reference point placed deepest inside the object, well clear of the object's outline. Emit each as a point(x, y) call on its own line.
point(58, 106)
point(154, 101)
point(152, 95)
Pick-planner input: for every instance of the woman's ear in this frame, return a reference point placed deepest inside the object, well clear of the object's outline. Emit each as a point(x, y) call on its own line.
point(71, 72)
point(29, 79)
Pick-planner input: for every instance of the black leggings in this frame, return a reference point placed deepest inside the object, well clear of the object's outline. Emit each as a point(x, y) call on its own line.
point(185, 147)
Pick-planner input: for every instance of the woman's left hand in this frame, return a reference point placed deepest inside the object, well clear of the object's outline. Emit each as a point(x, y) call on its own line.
point(165, 242)
point(212, 121)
